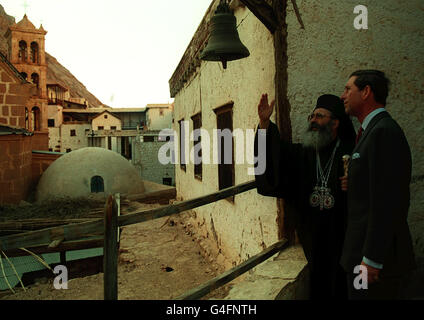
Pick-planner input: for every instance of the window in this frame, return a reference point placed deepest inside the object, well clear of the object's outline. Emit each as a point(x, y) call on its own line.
point(167, 181)
point(148, 138)
point(50, 123)
point(100, 128)
point(105, 116)
point(197, 146)
point(161, 112)
point(68, 150)
point(182, 145)
point(73, 133)
point(113, 128)
point(35, 119)
point(224, 116)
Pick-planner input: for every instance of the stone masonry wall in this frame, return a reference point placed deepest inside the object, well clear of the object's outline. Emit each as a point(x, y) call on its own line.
point(15, 168)
point(40, 163)
point(146, 160)
point(13, 97)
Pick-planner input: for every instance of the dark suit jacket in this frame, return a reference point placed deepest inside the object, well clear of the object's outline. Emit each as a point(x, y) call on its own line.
point(378, 199)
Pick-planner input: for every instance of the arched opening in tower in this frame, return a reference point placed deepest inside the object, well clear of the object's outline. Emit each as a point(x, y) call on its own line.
point(35, 78)
point(34, 52)
point(22, 50)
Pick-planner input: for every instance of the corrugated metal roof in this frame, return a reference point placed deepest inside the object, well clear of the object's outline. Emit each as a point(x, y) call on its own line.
point(27, 264)
point(6, 130)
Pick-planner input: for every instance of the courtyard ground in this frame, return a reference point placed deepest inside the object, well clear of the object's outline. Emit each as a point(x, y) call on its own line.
point(158, 260)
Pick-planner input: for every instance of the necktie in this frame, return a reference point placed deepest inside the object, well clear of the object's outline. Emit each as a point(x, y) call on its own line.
point(359, 134)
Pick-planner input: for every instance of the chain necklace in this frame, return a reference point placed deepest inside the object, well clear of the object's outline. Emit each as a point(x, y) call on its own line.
point(321, 196)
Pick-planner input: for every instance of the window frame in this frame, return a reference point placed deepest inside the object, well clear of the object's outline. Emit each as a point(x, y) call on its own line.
point(183, 166)
point(223, 169)
point(197, 124)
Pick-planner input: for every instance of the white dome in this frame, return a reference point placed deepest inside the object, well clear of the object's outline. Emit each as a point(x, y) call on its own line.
point(87, 172)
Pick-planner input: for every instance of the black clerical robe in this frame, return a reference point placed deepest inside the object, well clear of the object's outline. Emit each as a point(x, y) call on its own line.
point(291, 174)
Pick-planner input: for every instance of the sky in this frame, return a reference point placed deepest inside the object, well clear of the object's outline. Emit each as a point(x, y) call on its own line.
point(125, 51)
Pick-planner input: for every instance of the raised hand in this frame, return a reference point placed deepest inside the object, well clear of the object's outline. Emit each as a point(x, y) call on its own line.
point(265, 111)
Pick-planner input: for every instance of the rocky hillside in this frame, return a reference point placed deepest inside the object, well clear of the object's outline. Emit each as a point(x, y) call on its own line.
point(55, 71)
point(5, 22)
point(58, 73)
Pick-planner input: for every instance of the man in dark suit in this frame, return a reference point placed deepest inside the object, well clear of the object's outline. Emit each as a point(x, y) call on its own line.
point(377, 236)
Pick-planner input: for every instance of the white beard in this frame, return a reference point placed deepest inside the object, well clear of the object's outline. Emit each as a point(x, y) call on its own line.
point(318, 139)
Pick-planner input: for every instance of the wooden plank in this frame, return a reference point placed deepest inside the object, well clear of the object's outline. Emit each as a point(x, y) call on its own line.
point(64, 246)
point(118, 204)
point(233, 273)
point(36, 224)
point(154, 195)
point(286, 211)
point(264, 12)
point(157, 213)
point(42, 237)
point(96, 228)
point(110, 257)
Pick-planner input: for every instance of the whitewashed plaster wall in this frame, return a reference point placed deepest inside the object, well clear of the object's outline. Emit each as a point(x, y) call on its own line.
point(242, 229)
point(54, 139)
point(55, 113)
point(106, 120)
point(321, 58)
point(158, 121)
point(80, 140)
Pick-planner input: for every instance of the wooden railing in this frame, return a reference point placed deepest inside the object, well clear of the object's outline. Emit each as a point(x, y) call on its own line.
point(108, 228)
point(56, 101)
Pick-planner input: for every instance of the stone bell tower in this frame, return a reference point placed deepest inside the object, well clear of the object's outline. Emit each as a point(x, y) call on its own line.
point(27, 54)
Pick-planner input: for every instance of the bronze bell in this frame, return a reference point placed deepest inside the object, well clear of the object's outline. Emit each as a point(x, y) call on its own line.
point(224, 43)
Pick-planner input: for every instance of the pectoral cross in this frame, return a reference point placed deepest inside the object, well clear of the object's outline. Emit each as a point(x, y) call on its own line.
point(322, 198)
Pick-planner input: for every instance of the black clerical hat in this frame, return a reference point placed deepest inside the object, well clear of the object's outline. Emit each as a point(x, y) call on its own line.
point(333, 104)
point(336, 106)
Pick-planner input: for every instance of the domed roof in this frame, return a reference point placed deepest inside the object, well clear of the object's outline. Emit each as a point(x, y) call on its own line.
point(89, 171)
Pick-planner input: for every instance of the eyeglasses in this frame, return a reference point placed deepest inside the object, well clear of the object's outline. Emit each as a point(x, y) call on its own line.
point(318, 116)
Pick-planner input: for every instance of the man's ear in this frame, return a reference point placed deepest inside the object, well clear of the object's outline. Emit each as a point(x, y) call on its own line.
point(366, 92)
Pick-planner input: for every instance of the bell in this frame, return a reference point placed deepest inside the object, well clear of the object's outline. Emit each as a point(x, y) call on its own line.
point(224, 43)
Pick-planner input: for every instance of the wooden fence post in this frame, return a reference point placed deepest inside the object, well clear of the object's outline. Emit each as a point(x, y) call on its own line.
point(110, 250)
